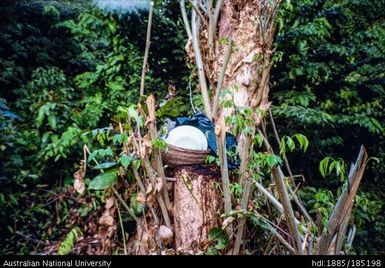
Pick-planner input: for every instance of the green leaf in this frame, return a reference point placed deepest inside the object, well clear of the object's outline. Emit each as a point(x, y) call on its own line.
point(302, 140)
point(332, 166)
point(222, 243)
point(103, 181)
point(323, 166)
point(68, 243)
point(273, 160)
point(290, 143)
point(159, 144)
point(212, 251)
point(217, 235)
point(210, 159)
point(133, 113)
point(105, 165)
point(138, 208)
point(282, 146)
point(41, 115)
point(52, 121)
point(259, 139)
point(214, 233)
point(125, 160)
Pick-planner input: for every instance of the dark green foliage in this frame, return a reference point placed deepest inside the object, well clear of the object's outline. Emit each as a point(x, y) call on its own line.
point(330, 86)
point(66, 68)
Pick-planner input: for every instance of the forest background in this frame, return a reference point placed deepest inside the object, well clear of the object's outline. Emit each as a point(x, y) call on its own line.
point(66, 67)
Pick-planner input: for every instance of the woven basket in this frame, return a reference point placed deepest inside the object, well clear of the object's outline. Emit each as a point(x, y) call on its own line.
point(176, 156)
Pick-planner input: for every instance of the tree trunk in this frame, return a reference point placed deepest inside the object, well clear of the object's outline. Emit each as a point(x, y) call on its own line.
point(197, 207)
point(249, 26)
point(231, 47)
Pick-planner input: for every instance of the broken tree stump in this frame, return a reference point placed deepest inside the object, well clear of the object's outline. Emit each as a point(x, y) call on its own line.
point(196, 207)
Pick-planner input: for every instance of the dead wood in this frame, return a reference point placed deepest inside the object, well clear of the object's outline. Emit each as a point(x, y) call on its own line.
point(344, 202)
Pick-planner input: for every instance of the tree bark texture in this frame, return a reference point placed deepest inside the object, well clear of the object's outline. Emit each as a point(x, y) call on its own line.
point(197, 207)
point(249, 25)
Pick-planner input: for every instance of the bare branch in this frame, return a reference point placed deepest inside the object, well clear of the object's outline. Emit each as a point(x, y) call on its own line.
point(129, 210)
point(185, 19)
point(289, 213)
point(147, 49)
point(221, 77)
point(159, 198)
point(217, 10)
point(199, 62)
point(296, 199)
point(220, 133)
point(284, 242)
point(247, 189)
point(196, 8)
point(157, 155)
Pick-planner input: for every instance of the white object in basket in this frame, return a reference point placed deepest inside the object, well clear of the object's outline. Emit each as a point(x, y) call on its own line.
point(187, 137)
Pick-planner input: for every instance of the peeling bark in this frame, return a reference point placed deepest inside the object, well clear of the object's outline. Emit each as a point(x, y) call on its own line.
point(249, 66)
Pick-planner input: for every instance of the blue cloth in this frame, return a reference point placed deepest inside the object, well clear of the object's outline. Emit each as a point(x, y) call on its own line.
point(204, 124)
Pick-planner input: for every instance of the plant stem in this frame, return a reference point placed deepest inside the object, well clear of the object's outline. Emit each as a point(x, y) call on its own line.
point(288, 210)
point(157, 154)
point(199, 62)
point(147, 49)
point(220, 135)
point(123, 232)
point(221, 77)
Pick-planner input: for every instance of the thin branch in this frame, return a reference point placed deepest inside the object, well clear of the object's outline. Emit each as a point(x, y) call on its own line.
point(284, 242)
point(246, 184)
point(277, 138)
point(277, 204)
point(221, 77)
point(199, 12)
point(209, 8)
point(134, 170)
point(147, 49)
point(213, 21)
point(247, 189)
point(199, 62)
point(150, 173)
point(350, 238)
point(159, 198)
point(185, 19)
point(288, 210)
point(27, 237)
point(129, 210)
point(294, 196)
point(269, 196)
point(157, 154)
point(202, 6)
point(123, 232)
point(220, 135)
point(217, 10)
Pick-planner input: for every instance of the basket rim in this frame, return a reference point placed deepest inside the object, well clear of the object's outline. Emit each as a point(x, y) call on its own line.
point(176, 148)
